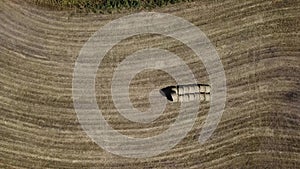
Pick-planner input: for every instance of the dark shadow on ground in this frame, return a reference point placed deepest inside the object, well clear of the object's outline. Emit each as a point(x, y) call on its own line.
point(166, 92)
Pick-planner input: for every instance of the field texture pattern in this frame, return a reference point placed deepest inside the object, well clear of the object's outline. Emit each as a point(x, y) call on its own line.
point(258, 43)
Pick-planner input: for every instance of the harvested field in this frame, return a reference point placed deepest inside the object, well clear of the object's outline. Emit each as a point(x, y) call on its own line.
point(258, 43)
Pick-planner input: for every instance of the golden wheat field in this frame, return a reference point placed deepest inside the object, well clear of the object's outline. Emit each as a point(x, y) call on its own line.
point(258, 43)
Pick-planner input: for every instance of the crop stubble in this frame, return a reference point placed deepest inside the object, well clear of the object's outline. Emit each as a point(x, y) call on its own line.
point(258, 43)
